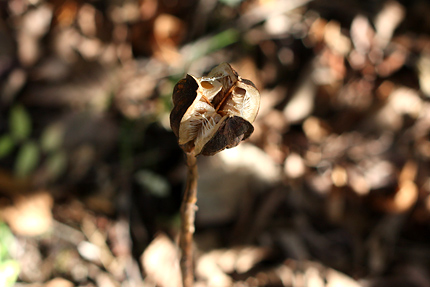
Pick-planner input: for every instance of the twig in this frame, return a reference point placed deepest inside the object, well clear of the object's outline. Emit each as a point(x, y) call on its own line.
point(188, 210)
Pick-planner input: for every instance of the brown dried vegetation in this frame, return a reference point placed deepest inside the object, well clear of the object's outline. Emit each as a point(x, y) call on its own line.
point(331, 189)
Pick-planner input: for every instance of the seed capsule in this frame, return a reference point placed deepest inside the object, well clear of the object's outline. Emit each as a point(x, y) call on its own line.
point(215, 112)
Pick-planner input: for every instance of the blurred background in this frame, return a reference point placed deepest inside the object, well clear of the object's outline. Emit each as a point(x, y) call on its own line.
point(331, 189)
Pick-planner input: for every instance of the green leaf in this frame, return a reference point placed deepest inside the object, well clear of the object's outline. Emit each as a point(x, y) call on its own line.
point(212, 44)
point(52, 138)
point(154, 183)
point(9, 271)
point(19, 123)
point(223, 39)
point(231, 3)
point(9, 268)
point(56, 164)
point(27, 159)
point(6, 145)
point(6, 240)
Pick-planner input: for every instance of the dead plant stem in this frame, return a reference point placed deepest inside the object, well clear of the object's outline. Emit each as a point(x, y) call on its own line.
point(188, 210)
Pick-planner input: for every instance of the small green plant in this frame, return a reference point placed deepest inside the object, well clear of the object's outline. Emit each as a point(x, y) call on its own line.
point(9, 268)
point(18, 136)
point(30, 151)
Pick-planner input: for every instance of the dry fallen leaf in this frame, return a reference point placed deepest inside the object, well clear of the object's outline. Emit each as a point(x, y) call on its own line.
point(160, 262)
point(59, 282)
point(294, 166)
point(29, 215)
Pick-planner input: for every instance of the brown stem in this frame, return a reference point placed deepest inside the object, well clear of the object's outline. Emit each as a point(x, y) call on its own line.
point(188, 210)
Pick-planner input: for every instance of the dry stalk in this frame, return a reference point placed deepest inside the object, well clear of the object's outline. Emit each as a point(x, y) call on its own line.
point(188, 211)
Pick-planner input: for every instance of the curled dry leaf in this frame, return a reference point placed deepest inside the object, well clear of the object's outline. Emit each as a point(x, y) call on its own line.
point(215, 112)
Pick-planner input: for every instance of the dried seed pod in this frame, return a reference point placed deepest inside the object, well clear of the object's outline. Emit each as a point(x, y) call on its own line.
point(215, 112)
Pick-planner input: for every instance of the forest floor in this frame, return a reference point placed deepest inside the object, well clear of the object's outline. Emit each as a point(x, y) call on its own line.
point(331, 189)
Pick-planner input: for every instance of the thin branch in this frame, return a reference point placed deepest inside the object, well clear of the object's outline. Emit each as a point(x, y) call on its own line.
point(188, 210)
